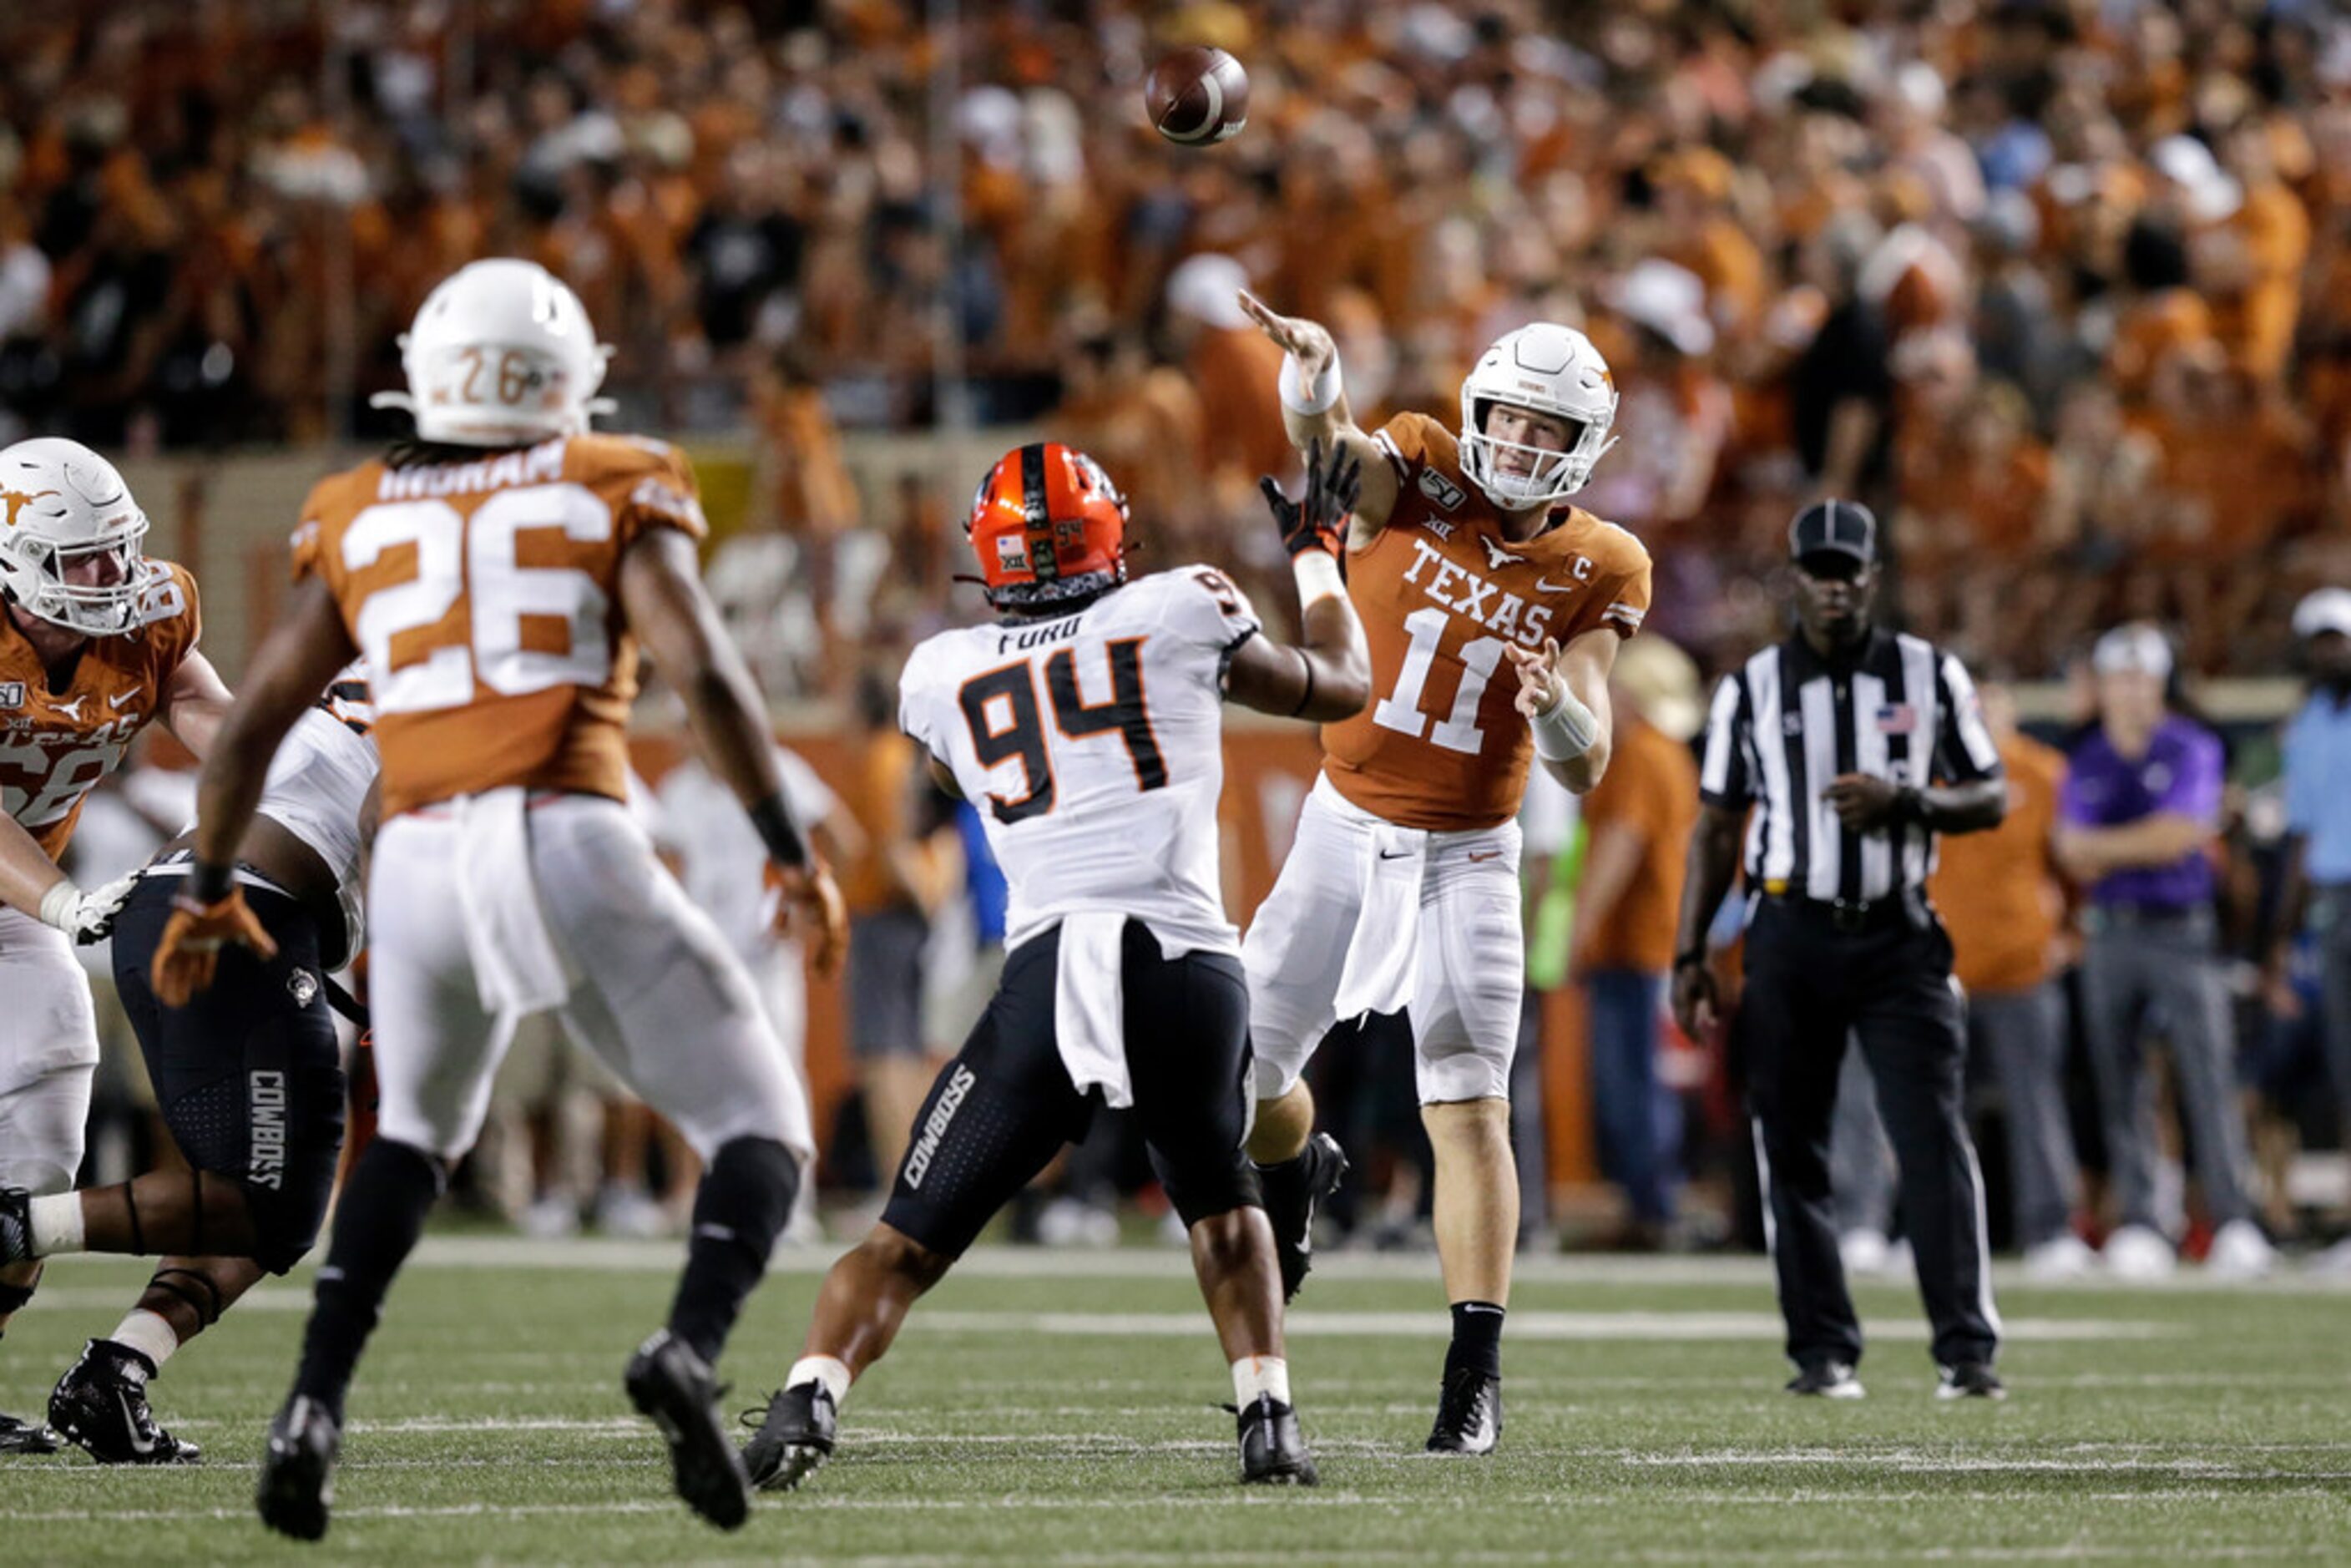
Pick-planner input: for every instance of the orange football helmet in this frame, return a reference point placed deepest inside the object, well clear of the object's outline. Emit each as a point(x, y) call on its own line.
point(1047, 525)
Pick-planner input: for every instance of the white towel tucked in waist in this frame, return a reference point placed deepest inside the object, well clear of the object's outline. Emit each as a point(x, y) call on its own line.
point(516, 962)
point(1381, 959)
point(1090, 1005)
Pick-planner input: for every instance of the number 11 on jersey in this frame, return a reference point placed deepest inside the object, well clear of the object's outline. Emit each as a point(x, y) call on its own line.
point(1400, 711)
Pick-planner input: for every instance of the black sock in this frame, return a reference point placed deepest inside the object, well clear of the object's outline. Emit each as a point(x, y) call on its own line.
point(1283, 1183)
point(1477, 1338)
point(391, 1191)
point(742, 1206)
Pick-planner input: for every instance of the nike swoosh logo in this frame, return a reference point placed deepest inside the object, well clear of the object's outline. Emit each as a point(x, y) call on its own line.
point(1395, 854)
point(116, 703)
point(138, 1445)
point(1489, 855)
point(1545, 585)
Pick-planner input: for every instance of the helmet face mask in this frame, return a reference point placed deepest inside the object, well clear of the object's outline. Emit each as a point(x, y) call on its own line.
point(501, 353)
point(63, 507)
point(1049, 527)
point(1550, 371)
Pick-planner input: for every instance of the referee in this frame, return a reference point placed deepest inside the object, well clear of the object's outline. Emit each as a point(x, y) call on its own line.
point(1854, 746)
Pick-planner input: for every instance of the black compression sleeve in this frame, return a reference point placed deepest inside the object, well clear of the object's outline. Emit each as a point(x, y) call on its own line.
point(779, 831)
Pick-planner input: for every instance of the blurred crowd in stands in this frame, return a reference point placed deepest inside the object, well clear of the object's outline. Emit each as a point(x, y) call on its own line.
point(2060, 284)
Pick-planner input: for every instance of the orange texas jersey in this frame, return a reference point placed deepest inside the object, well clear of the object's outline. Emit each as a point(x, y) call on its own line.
point(485, 598)
point(55, 745)
point(1440, 592)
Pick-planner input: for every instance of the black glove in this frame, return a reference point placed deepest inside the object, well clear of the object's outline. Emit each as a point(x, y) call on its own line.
point(1319, 521)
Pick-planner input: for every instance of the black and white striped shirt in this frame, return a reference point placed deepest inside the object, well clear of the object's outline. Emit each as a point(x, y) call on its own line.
point(1787, 722)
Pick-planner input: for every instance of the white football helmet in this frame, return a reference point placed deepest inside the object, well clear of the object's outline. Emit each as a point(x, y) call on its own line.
point(1549, 369)
point(61, 504)
point(501, 353)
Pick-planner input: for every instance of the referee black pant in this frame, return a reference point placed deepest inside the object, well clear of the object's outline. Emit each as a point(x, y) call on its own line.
point(1813, 978)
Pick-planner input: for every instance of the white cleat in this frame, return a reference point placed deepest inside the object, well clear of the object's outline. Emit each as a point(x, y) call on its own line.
point(2240, 1251)
point(2060, 1259)
point(2137, 1256)
point(1864, 1252)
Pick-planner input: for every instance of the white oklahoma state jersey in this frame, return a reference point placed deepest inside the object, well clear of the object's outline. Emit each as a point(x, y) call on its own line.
point(1092, 744)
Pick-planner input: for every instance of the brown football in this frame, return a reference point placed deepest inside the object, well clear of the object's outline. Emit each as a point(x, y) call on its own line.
point(1197, 95)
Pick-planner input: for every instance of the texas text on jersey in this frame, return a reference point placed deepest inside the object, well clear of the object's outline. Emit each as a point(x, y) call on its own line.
point(56, 744)
point(1440, 592)
point(1092, 743)
point(482, 597)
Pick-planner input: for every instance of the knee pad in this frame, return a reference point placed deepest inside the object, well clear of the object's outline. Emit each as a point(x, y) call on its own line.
point(286, 1222)
point(1202, 1189)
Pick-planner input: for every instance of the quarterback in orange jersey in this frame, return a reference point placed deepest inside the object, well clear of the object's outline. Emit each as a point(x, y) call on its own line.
point(95, 643)
point(1493, 610)
point(497, 573)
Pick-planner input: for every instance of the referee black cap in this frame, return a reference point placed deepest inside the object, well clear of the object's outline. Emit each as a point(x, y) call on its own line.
point(1833, 527)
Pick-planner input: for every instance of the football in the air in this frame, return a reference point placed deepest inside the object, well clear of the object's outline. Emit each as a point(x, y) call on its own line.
point(1197, 95)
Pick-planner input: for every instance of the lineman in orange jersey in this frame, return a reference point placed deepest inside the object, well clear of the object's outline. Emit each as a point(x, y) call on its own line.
point(95, 643)
point(1493, 610)
point(497, 573)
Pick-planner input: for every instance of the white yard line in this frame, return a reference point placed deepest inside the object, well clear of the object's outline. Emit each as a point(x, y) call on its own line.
point(1527, 1324)
point(998, 1262)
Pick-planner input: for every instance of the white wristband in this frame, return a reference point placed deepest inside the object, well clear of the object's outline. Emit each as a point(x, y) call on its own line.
point(1566, 730)
point(57, 904)
point(1299, 398)
point(1318, 578)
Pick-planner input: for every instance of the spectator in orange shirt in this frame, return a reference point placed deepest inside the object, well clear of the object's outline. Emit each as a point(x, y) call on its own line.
point(1639, 816)
point(2254, 260)
point(2163, 317)
point(2001, 897)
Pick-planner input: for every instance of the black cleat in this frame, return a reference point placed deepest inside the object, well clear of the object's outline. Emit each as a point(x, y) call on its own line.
point(1969, 1379)
point(1291, 1189)
point(794, 1438)
point(18, 1435)
point(101, 1403)
point(297, 1489)
point(1468, 1414)
point(1273, 1450)
point(1826, 1380)
point(15, 1224)
point(670, 1384)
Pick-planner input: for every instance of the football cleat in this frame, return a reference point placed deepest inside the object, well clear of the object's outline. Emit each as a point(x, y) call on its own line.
point(101, 1405)
point(18, 1435)
point(1292, 1190)
point(15, 1224)
point(1468, 1414)
point(795, 1436)
point(1273, 1450)
point(1970, 1380)
point(1826, 1380)
point(296, 1493)
point(675, 1389)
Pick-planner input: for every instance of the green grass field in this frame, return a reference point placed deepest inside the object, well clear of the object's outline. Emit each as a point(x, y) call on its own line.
point(1061, 1408)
